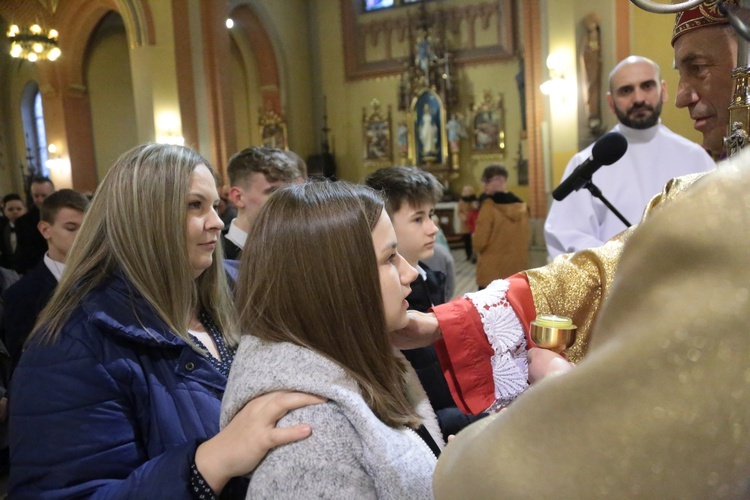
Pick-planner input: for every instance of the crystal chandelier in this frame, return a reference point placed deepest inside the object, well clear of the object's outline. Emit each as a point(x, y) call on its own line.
point(33, 44)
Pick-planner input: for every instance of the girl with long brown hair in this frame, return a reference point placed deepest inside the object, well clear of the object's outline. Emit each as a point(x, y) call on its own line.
point(321, 286)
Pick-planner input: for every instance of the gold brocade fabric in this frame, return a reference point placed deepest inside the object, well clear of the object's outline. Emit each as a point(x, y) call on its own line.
point(573, 285)
point(660, 406)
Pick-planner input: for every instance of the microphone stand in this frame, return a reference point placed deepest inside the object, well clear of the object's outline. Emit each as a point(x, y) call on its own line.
point(596, 193)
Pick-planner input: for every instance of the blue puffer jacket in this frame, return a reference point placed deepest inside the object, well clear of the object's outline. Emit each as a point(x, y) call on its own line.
point(114, 408)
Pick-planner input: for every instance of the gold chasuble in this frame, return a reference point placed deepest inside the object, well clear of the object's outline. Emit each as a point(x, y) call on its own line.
point(660, 406)
point(574, 285)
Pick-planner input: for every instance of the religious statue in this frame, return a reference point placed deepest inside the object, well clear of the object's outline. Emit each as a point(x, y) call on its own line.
point(402, 139)
point(736, 140)
point(424, 57)
point(486, 130)
point(404, 92)
point(456, 130)
point(428, 133)
point(376, 127)
point(272, 128)
point(521, 84)
point(592, 66)
point(377, 140)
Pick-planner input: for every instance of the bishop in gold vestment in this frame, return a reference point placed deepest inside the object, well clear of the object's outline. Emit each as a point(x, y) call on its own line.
point(660, 407)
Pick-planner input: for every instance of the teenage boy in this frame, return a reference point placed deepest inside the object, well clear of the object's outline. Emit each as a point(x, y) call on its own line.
point(61, 215)
point(254, 174)
point(411, 196)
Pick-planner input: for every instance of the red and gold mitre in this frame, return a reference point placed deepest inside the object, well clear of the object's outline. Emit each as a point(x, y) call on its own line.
point(705, 14)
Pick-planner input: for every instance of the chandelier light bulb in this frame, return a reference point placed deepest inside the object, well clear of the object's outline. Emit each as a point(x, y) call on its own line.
point(230, 23)
point(31, 43)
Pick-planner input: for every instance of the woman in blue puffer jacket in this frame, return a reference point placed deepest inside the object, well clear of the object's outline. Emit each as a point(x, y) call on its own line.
point(118, 392)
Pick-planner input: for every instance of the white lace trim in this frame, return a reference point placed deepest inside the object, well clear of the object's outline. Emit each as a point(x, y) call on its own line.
point(504, 331)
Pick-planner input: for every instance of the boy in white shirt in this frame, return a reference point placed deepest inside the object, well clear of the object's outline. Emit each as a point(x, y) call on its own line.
point(61, 216)
point(254, 174)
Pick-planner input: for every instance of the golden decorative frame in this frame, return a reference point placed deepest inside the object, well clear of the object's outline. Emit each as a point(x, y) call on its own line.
point(376, 134)
point(488, 126)
point(437, 114)
point(362, 29)
point(273, 131)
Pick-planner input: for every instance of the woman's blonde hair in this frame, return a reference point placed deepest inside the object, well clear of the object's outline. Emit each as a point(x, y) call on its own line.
point(136, 225)
point(309, 276)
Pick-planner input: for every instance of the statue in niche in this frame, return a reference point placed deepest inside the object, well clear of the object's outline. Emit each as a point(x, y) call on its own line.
point(592, 67)
point(428, 132)
point(456, 129)
point(521, 84)
point(402, 139)
point(425, 57)
point(404, 91)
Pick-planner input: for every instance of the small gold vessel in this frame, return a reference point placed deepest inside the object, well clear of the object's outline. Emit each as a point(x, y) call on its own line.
point(551, 332)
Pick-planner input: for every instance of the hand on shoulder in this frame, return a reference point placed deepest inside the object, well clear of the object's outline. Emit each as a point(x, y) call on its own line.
point(242, 444)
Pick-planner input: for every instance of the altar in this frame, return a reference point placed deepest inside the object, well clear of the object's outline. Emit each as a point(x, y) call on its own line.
point(447, 214)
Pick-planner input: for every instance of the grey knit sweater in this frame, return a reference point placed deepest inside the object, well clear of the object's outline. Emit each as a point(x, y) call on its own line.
point(351, 453)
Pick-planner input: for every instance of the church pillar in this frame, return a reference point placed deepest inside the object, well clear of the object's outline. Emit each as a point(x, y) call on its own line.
point(268, 67)
point(183, 46)
point(68, 125)
point(153, 69)
point(532, 43)
point(216, 61)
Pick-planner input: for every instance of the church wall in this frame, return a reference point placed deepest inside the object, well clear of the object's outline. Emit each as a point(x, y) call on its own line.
point(499, 78)
point(561, 109)
point(8, 134)
point(344, 117)
point(154, 78)
point(22, 74)
point(311, 68)
point(568, 130)
point(111, 98)
point(648, 35)
point(347, 98)
point(13, 150)
point(240, 88)
point(247, 88)
point(288, 26)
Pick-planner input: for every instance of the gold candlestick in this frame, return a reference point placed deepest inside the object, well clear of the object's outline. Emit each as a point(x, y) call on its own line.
point(551, 332)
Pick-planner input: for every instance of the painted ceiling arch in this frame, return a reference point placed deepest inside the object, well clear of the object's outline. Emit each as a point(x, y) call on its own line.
point(249, 24)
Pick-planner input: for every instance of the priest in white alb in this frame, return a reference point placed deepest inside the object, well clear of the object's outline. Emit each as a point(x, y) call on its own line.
point(655, 154)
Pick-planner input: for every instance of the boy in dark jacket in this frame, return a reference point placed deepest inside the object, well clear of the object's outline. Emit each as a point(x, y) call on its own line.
point(411, 198)
point(61, 217)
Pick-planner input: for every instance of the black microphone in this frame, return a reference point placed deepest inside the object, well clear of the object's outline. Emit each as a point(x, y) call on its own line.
point(607, 150)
